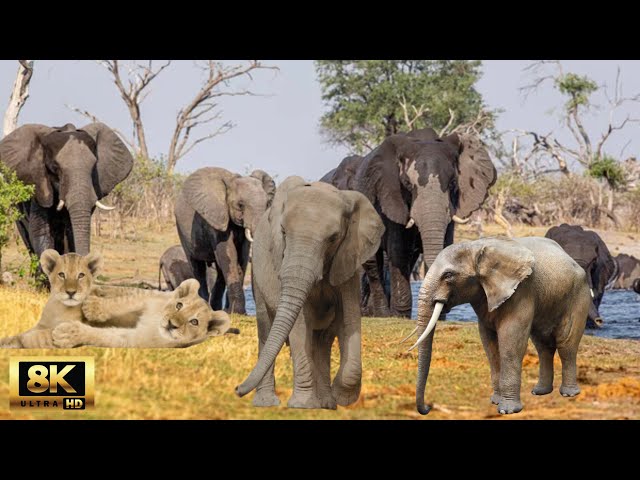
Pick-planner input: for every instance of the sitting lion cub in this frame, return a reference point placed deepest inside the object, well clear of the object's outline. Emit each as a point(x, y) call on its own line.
point(71, 278)
point(167, 319)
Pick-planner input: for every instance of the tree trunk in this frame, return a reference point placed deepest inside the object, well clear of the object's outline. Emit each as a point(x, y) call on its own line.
point(18, 97)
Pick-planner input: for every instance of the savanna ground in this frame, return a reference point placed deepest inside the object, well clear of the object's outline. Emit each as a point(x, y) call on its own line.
point(198, 382)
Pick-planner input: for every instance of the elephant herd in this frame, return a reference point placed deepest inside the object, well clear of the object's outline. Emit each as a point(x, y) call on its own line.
point(313, 245)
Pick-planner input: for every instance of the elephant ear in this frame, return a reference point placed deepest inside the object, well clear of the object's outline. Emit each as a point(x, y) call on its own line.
point(274, 213)
point(206, 192)
point(342, 177)
point(500, 267)
point(476, 173)
point(114, 159)
point(23, 152)
point(268, 184)
point(364, 230)
point(380, 179)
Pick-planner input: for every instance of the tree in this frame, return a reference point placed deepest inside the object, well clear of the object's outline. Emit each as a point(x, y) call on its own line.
point(583, 150)
point(202, 110)
point(368, 100)
point(19, 96)
point(12, 192)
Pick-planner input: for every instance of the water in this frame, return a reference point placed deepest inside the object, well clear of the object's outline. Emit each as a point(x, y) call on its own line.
point(619, 308)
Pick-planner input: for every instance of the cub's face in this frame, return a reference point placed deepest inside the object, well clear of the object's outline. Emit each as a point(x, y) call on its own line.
point(188, 319)
point(71, 275)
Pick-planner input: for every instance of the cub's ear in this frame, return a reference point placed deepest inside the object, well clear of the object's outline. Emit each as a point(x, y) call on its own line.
point(48, 260)
point(94, 262)
point(187, 288)
point(219, 324)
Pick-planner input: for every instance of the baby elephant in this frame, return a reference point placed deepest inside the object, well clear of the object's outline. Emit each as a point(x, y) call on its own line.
point(518, 288)
point(306, 254)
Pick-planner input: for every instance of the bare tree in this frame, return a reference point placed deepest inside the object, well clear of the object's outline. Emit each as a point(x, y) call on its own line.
point(139, 77)
point(203, 109)
point(19, 95)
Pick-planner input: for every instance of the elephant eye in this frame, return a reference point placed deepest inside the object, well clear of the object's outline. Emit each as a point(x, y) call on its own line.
point(240, 205)
point(61, 275)
point(178, 306)
point(81, 275)
point(448, 275)
point(333, 237)
point(193, 321)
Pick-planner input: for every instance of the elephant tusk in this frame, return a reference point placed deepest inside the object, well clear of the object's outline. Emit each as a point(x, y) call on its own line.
point(459, 220)
point(410, 223)
point(247, 233)
point(60, 205)
point(103, 206)
point(410, 335)
point(432, 323)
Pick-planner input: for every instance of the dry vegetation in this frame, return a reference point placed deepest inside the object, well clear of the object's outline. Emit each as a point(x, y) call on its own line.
point(198, 382)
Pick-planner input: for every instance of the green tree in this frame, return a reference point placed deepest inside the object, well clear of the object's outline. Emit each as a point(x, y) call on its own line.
point(12, 192)
point(370, 99)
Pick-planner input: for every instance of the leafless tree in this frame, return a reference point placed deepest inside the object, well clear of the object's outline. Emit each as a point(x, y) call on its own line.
point(204, 107)
point(19, 95)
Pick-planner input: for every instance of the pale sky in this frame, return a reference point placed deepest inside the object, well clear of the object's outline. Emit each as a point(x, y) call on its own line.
point(279, 133)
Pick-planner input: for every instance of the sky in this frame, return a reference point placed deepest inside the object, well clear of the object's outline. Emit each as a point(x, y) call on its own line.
point(279, 130)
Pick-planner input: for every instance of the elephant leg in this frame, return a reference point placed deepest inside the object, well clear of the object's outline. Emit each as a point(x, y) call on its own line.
point(199, 269)
point(348, 381)
point(546, 348)
point(378, 299)
point(228, 262)
point(322, 343)
point(568, 356)
point(40, 234)
point(23, 225)
point(300, 343)
point(266, 390)
point(217, 290)
point(490, 343)
point(513, 336)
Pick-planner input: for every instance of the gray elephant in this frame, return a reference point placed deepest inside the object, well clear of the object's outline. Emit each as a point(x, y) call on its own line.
point(308, 249)
point(72, 169)
point(174, 267)
point(591, 253)
point(629, 270)
point(216, 214)
point(420, 185)
point(518, 288)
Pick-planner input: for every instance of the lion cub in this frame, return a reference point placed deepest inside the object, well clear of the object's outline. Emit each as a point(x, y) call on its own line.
point(167, 320)
point(71, 278)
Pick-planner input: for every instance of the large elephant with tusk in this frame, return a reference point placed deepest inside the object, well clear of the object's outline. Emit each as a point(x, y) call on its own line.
point(216, 214)
point(527, 287)
point(421, 185)
point(71, 169)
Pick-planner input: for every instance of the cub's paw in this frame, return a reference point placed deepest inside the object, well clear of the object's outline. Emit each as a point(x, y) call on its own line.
point(67, 335)
point(94, 311)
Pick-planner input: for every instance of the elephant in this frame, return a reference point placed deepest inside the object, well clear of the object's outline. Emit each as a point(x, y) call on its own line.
point(629, 270)
point(591, 253)
point(216, 214)
point(527, 287)
point(307, 253)
point(72, 170)
point(421, 185)
point(175, 268)
point(636, 285)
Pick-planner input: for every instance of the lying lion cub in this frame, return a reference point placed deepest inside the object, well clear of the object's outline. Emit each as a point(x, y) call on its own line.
point(71, 278)
point(167, 319)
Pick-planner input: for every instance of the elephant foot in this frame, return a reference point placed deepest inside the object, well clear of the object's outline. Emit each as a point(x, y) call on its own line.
point(569, 391)
point(265, 398)
point(496, 398)
point(343, 395)
point(506, 407)
point(328, 402)
point(541, 389)
point(303, 400)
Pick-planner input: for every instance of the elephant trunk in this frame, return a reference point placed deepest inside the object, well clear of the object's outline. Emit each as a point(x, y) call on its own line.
point(426, 310)
point(81, 228)
point(80, 198)
point(300, 270)
point(432, 224)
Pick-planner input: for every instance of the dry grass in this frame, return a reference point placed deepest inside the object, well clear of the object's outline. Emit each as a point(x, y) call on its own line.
point(198, 382)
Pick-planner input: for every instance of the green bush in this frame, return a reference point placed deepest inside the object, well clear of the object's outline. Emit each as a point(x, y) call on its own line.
point(12, 192)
